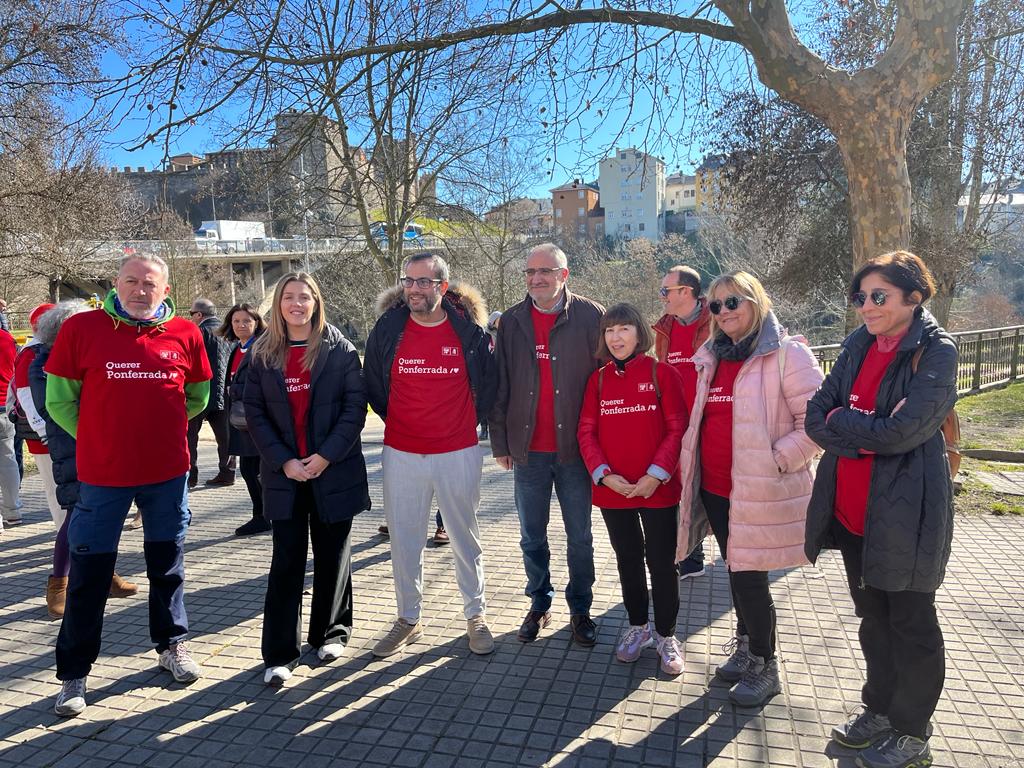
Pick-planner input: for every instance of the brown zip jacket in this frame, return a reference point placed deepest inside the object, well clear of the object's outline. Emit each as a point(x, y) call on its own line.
point(572, 347)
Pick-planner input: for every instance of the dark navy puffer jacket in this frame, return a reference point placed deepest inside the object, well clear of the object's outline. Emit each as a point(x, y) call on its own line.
point(61, 445)
point(909, 527)
point(337, 413)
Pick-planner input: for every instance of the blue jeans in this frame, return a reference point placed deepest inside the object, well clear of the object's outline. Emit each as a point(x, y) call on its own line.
point(572, 485)
point(94, 532)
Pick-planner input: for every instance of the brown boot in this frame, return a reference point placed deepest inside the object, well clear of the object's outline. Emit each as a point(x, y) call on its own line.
point(56, 593)
point(120, 587)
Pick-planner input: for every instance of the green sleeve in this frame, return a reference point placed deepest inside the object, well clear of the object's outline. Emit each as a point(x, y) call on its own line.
point(197, 395)
point(62, 402)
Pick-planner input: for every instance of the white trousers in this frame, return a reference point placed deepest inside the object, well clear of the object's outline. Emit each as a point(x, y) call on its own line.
point(411, 482)
point(45, 465)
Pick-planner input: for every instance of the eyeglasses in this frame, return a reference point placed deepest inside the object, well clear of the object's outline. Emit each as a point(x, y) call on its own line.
point(729, 302)
point(860, 298)
point(419, 282)
point(663, 291)
point(541, 271)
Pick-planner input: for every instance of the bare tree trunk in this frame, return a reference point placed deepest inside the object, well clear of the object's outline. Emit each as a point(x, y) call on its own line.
point(875, 157)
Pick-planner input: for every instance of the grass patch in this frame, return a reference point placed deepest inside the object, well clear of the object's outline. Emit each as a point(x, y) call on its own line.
point(976, 498)
point(993, 419)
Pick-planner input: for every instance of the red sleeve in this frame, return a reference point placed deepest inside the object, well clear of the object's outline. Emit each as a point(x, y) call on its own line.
point(63, 359)
point(199, 363)
point(673, 410)
point(8, 351)
point(586, 433)
point(21, 365)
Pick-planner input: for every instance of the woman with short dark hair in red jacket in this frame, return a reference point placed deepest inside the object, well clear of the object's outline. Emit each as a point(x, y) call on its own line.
point(630, 431)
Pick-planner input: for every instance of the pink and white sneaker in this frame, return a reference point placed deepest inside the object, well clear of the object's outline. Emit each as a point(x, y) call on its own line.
point(633, 640)
point(671, 653)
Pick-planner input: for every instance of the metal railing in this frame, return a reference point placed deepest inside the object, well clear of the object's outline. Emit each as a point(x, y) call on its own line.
point(991, 357)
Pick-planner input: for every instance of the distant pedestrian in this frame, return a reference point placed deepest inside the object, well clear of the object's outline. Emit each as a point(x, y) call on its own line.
point(61, 450)
point(305, 406)
point(746, 467)
point(680, 332)
point(242, 326)
point(123, 380)
point(884, 497)
point(631, 428)
point(204, 315)
point(10, 477)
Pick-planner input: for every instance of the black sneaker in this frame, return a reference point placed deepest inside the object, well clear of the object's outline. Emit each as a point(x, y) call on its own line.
point(861, 730)
point(897, 750)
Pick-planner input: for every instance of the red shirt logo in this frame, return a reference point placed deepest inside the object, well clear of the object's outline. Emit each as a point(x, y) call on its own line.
point(450, 351)
point(168, 354)
point(645, 386)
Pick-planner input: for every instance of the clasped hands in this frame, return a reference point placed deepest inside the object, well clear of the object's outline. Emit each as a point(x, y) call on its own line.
point(642, 488)
point(305, 469)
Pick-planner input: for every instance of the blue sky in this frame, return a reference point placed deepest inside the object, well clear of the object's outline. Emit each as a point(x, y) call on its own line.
point(576, 155)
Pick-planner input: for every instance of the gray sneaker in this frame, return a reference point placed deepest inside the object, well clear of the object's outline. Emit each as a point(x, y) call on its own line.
point(732, 669)
point(71, 699)
point(759, 683)
point(897, 750)
point(401, 634)
point(179, 662)
point(861, 730)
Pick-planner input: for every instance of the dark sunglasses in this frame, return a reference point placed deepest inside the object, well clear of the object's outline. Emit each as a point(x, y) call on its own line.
point(860, 298)
point(663, 291)
point(731, 303)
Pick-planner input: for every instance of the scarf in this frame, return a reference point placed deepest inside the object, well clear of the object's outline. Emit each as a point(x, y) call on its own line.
point(724, 348)
point(161, 313)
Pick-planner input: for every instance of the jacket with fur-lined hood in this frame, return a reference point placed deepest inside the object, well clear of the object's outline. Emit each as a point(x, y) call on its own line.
point(467, 313)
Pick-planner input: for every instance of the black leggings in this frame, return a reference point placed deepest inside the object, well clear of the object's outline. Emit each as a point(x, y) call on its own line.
point(655, 543)
point(751, 597)
point(249, 468)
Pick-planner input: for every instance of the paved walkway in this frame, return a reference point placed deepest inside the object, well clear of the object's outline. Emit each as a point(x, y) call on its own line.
point(549, 703)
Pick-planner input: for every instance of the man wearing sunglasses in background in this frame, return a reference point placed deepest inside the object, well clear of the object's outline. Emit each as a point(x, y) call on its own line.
point(545, 350)
point(430, 377)
point(678, 333)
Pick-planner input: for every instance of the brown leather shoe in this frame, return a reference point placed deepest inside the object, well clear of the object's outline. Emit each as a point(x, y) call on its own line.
point(56, 594)
point(120, 587)
point(532, 625)
point(222, 478)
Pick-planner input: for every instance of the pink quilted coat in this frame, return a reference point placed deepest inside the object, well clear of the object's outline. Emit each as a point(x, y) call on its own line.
point(771, 467)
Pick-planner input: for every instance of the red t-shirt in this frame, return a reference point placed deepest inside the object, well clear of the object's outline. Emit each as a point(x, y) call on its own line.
point(544, 437)
point(716, 431)
point(296, 384)
point(680, 357)
point(853, 476)
point(632, 426)
point(430, 408)
point(132, 421)
point(8, 350)
point(21, 365)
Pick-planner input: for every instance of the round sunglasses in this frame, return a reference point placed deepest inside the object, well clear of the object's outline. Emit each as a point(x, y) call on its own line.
point(731, 303)
point(860, 298)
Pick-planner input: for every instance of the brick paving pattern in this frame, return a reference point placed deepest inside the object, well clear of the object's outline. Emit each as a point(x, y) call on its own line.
point(547, 703)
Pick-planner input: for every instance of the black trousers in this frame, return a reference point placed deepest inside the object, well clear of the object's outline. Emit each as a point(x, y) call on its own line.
point(751, 595)
point(638, 535)
point(330, 617)
point(249, 468)
point(901, 642)
point(218, 421)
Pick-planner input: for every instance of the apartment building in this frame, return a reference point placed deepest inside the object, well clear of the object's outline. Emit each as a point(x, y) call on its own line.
point(574, 206)
point(632, 187)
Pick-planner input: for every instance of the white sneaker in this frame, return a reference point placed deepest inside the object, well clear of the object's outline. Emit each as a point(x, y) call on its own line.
point(276, 676)
point(71, 699)
point(179, 662)
point(330, 651)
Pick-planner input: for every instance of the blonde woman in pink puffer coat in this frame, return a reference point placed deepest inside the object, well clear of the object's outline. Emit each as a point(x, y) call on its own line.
point(746, 467)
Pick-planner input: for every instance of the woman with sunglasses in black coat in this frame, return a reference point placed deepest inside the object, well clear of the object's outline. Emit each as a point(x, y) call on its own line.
point(884, 497)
